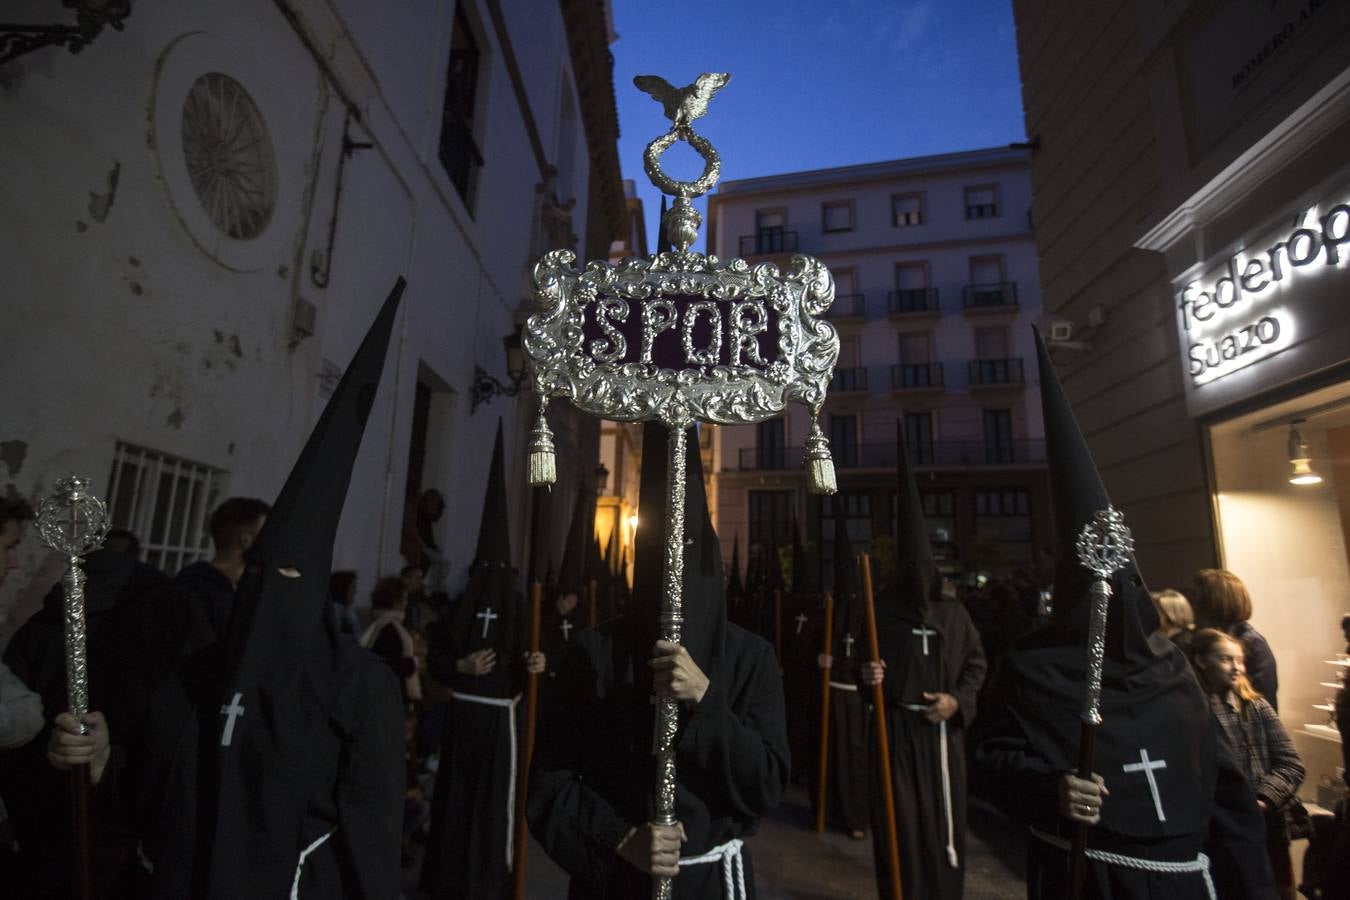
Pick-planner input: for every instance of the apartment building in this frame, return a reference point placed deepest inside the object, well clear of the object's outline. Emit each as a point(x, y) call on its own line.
point(936, 288)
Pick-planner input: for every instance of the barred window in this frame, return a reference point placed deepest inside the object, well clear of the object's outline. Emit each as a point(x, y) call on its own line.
point(166, 502)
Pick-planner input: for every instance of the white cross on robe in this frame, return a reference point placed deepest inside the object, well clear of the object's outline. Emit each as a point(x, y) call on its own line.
point(1147, 766)
point(230, 711)
point(566, 627)
point(924, 632)
point(848, 645)
point(801, 620)
point(487, 616)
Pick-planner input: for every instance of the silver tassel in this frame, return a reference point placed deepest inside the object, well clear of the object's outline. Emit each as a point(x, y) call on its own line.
point(819, 464)
point(541, 466)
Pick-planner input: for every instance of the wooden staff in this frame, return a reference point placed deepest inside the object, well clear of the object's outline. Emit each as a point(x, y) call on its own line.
point(883, 742)
point(523, 774)
point(593, 601)
point(778, 624)
point(825, 715)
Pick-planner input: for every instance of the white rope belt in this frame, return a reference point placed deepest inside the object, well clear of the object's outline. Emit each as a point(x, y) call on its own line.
point(508, 704)
point(300, 865)
point(944, 766)
point(733, 867)
point(844, 686)
point(1186, 867)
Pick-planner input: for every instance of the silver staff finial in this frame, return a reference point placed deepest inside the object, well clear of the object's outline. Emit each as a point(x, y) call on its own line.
point(1104, 548)
point(682, 106)
point(72, 521)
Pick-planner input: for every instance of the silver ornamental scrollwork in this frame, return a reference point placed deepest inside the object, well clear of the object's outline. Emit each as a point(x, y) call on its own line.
point(1104, 547)
point(742, 392)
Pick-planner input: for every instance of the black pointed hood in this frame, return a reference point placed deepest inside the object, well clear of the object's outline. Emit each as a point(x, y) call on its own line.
point(773, 569)
point(1148, 698)
point(492, 587)
point(916, 574)
point(494, 533)
point(571, 577)
point(1079, 494)
point(300, 529)
point(734, 586)
point(705, 614)
point(805, 574)
point(845, 566)
point(280, 662)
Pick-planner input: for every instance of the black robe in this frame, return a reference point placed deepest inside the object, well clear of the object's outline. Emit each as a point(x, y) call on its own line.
point(594, 772)
point(849, 762)
point(1229, 829)
point(932, 852)
point(350, 786)
point(803, 632)
point(471, 850)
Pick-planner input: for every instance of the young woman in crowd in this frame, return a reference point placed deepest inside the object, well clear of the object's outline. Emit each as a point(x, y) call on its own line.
point(1221, 601)
point(1176, 620)
point(1259, 742)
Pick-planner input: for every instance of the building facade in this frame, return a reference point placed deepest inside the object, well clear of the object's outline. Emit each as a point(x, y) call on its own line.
point(1193, 207)
point(203, 212)
point(934, 269)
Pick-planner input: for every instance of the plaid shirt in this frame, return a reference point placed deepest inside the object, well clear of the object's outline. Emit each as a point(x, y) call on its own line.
point(1261, 747)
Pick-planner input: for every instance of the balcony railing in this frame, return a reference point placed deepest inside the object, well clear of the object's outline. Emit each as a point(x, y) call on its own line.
point(999, 294)
point(854, 379)
point(995, 371)
point(769, 240)
point(944, 454)
point(848, 306)
point(914, 300)
point(918, 376)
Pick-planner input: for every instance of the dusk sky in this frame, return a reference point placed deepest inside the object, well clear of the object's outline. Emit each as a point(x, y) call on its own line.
point(819, 84)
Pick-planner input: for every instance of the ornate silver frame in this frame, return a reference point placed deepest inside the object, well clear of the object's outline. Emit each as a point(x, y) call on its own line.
point(564, 366)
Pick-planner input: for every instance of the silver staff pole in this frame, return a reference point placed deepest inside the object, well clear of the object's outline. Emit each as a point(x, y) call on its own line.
point(1104, 548)
point(72, 521)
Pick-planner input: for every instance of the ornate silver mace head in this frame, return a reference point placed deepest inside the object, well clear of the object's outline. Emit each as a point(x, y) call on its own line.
point(682, 106)
point(72, 521)
point(1104, 547)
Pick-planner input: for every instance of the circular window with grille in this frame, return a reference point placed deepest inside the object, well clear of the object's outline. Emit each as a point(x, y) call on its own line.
point(228, 153)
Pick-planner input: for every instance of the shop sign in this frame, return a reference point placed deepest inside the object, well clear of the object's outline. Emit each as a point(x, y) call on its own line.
point(1244, 310)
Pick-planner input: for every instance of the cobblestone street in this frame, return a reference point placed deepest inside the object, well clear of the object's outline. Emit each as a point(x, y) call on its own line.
point(792, 862)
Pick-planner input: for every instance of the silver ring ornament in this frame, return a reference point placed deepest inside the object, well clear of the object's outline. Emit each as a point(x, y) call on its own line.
point(712, 163)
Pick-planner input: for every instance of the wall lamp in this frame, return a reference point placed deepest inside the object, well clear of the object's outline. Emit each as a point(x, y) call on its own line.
point(91, 16)
point(1300, 459)
point(485, 387)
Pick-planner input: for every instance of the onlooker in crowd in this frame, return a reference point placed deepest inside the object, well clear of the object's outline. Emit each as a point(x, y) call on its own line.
point(342, 593)
point(414, 581)
point(120, 540)
point(417, 543)
point(389, 639)
point(13, 513)
point(1259, 743)
point(1343, 708)
point(1176, 620)
point(234, 526)
point(20, 707)
point(1221, 601)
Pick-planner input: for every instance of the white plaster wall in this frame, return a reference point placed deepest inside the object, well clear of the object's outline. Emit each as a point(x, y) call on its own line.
point(124, 329)
point(1284, 541)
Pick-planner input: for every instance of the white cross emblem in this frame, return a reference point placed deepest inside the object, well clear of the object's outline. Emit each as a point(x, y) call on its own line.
point(231, 711)
point(848, 645)
point(924, 632)
point(566, 627)
point(801, 620)
point(487, 616)
point(1147, 766)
